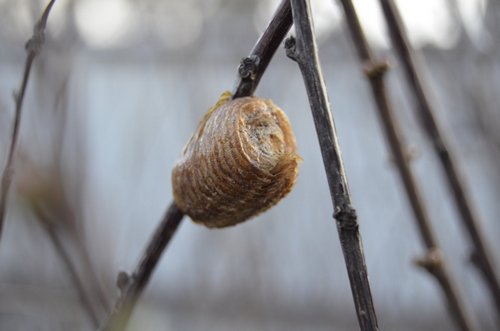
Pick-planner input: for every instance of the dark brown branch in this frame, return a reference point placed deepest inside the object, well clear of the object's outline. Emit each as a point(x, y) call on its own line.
point(304, 51)
point(441, 147)
point(33, 47)
point(250, 71)
point(433, 261)
point(86, 301)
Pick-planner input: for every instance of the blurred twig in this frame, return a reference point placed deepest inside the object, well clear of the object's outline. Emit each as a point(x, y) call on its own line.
point(441, 147)
point(62, 206)
point(46, 197)
point(33, 47)
point(48, 226)
point(303, 50)
point(433, 262)
point(250, 71)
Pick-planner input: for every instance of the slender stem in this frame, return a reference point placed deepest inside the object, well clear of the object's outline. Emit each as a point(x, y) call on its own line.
point(68, 263)
point(433, 261)
point(61, 100)
point(33, 47)
point(250, 71)
point(304, 51)
point(441, 147)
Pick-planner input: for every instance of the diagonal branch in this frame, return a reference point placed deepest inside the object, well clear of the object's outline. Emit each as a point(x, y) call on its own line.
point(433, 262)
point(33, 47)
point(250, 71)
point(304, 51)
point(441, 147)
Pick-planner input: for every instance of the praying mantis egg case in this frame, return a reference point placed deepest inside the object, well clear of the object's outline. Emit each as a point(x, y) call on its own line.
point(240, 162)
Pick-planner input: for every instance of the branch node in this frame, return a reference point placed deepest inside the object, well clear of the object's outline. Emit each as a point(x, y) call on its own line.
point(123, 281)
point(35, 43)
point(346, 217)
point(475, 258)
point(375, 69)
point(248, 67)
point(432, 260)
point(290, 48)
point(411, 153)
point(249, 74)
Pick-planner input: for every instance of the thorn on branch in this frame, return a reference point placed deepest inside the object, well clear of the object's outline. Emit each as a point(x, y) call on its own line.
point(432, 260)
point(375, 69)
point(290, 48)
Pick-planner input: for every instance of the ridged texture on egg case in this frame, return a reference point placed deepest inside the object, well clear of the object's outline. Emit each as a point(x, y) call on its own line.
point(241, 161)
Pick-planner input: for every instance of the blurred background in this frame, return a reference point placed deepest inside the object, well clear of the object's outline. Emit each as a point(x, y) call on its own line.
point(117, 91)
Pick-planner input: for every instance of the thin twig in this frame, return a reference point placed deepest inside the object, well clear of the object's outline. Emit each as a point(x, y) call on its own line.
point(304, 51)
point(33, 47)
point(441, 147)
point(47, 225)
point(71, 220)
point(433, 262)
point(60, 206)
point(250, 71)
